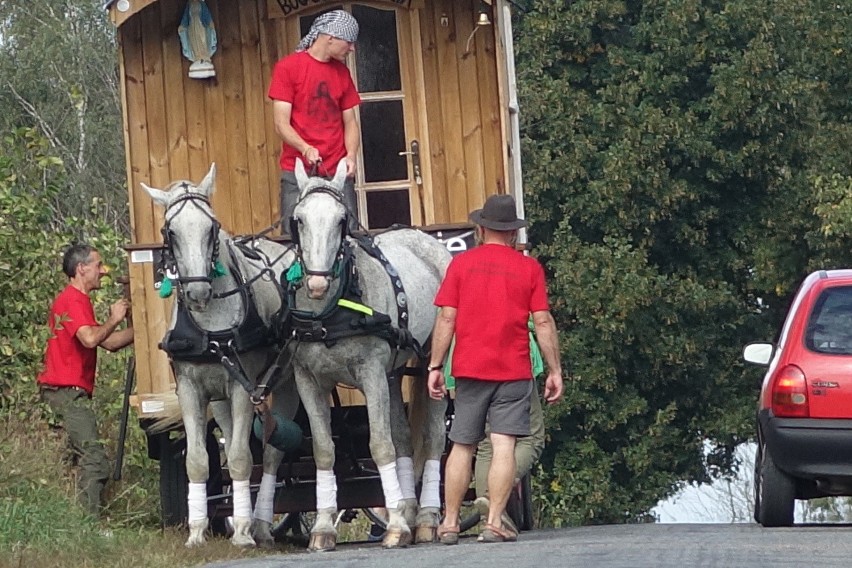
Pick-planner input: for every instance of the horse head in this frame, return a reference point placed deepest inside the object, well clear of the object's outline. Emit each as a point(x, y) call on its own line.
point(190, 237)
point(319, 226)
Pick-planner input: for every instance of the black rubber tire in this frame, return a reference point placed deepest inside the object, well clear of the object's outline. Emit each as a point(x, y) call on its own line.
point(294, 528)
point(374, 518)
point(468, 522)
point(465, 523)
point(174, 484)
point(776, 499)
point(758, 458)
point(527, 522)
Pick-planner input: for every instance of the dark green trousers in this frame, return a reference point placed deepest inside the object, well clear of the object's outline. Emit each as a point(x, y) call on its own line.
point(74, 409)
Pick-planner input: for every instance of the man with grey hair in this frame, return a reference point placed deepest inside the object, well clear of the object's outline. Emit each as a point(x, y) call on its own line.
point(68, 379)
point(314, 101)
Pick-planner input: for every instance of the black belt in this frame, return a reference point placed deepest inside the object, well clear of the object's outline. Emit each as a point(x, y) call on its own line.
point(55, 388)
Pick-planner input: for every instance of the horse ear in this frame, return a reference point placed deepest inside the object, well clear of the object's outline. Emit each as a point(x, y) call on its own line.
point(208, 184)
point(160, 197)
point(340, 175)
point(301, 175)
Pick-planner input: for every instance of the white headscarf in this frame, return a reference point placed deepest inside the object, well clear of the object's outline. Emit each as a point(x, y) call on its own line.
point(339, 24)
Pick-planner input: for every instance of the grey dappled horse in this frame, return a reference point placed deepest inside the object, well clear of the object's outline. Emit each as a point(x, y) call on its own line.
point(220, 305)
point(417, 262)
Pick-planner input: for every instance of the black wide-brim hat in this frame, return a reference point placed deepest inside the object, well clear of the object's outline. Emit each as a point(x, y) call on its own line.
point(498, 214)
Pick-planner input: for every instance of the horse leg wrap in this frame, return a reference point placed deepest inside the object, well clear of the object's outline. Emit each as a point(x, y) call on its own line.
point(405, 473)
point(326, 490)
point(390, 485)
point(242, 498)
point(265, 498)
point(197, 502)
point(430, 493)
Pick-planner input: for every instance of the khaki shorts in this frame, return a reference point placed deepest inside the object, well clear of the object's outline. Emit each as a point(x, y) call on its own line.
point(505, 405)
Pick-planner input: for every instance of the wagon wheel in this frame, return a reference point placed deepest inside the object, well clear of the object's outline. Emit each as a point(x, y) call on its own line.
point(466, 522)
point(299, 526)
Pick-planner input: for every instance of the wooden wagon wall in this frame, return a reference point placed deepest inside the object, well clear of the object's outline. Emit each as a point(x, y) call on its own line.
point(176, 126)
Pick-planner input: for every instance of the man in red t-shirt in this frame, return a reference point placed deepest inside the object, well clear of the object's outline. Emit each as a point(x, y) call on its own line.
point(68, 378)
point(486, 300)
point(314, 101)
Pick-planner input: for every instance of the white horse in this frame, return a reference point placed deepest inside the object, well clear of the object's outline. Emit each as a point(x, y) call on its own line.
point(399, 281)
point(215, 316)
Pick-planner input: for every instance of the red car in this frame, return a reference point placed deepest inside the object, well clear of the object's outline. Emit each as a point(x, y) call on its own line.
point(804, 419)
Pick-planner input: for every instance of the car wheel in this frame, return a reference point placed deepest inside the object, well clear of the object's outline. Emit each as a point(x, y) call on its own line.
point(758, 458)
point(776, 496)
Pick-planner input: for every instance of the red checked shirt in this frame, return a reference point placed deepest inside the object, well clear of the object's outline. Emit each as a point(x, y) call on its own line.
point(67, 362)
point(319, 92)
point(494, 289)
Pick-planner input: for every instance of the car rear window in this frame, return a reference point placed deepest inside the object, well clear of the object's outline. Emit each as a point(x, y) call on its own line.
point(830, 325)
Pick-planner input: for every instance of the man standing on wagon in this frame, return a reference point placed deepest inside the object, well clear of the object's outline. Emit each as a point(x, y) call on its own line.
point(486, 300)
point(314, 102)
point(68, 378)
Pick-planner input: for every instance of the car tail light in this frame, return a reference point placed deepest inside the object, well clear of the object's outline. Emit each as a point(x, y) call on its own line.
point(790, 393)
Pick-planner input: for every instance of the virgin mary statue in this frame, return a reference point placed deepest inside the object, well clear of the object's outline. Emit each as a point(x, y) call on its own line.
point(198, 39)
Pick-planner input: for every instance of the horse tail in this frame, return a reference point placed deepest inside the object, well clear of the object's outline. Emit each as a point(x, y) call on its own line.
point(427, 419)
point(166, 420)
point(417, 419)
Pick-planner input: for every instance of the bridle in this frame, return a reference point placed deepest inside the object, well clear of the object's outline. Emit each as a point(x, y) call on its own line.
point(168, 263)
point(294, 234)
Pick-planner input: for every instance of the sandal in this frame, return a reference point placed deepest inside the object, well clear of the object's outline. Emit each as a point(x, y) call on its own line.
point(448, 535)
point(493, 534)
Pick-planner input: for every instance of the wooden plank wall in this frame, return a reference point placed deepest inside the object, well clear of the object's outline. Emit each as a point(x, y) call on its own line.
point(175, 127)
point(466, 145)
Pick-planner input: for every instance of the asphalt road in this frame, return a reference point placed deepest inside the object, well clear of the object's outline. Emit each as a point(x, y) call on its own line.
point(614, 546)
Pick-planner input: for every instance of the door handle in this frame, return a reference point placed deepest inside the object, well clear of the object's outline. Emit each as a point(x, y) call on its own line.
point(415, 161)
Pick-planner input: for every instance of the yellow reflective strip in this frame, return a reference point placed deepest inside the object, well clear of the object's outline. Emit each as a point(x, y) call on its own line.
point(343, 303)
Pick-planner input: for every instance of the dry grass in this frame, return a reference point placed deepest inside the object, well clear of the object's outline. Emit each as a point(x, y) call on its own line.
point(41, 525)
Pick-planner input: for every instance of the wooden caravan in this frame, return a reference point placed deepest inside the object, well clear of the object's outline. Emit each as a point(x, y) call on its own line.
point(438, 124)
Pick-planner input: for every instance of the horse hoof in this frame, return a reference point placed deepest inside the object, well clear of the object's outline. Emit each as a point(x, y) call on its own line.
point(266, 543)
point(396, 538)
point(322, 542)
point(425, 534)
point(243, 541)
point(196, 533)
point(194, 542)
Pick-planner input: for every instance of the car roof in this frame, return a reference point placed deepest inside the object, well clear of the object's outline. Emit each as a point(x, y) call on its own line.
point(824, 276)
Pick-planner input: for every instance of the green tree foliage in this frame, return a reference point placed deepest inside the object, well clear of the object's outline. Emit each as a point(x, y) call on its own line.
point(58, 74)
point(29, 257)
point(684, 164)
point(32, 241)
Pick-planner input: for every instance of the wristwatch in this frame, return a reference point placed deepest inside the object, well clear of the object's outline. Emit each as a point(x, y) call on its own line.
point(431, 368)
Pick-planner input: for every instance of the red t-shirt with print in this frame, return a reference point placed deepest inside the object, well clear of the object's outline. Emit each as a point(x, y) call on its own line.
point(494, 289)
point(319, 92)
point(67, 362)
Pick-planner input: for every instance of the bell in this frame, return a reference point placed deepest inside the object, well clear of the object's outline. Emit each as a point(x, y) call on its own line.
point(483, 20)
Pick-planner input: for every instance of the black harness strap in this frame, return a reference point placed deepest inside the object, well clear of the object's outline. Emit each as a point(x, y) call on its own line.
point(336, 322)
point(187, 341)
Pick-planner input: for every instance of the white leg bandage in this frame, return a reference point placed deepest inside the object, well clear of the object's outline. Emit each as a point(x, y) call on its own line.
point(197, 501)
point(263, 507)
point(390, 485)
point(242, 498)
point(405, 473)
point(326, 490)
point(430, 493)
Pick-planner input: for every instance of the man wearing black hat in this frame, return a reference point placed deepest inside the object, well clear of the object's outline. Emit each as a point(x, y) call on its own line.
point(486, 299)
